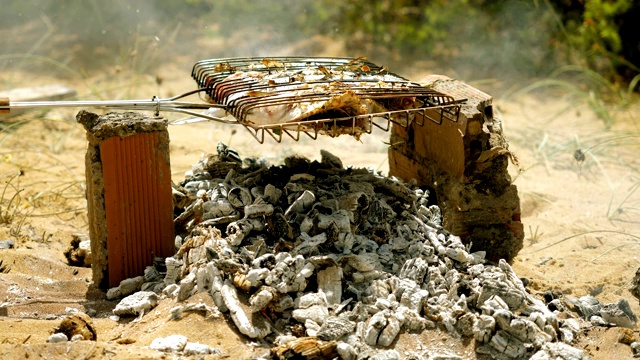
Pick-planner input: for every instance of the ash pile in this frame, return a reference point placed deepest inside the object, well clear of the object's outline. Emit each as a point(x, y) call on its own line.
point(319, 261)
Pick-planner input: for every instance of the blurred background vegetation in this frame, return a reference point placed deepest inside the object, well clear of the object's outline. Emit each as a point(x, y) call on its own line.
point(469, 39)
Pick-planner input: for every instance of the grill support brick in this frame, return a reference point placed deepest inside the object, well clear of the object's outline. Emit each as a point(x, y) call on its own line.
point(128, 194)
point(465, 162)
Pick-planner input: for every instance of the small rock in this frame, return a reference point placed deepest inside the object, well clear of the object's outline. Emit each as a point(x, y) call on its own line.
point(137, 304)
point(598, 321)
point(57, 338)
point(444, 356)
point(4, 269)
point(172, 343)
point(126, 287)
point(79, 252)
point(77, 324)
point(386, 355)
point(193, 348)
point(126, 341)
point(619, 313)
point(558, 350)
point(587, 306)
point(7, 244)
point(626, 336)
point(634, 288)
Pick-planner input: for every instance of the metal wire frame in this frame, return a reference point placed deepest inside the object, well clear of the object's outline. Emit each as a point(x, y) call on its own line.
point(234, 94)
point(353, 125)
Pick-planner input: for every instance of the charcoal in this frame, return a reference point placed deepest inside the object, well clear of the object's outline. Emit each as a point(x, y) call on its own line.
point(240, 229)
point(346, 351)
point(330, 283)
point(304, 201)
point(126, 287)
point(239, 197)
point(558, 350)
point(334, 327)
point(385, 355)
point(262, 298)
point(508, 345)
point(259, 209)
point(619, 314)
point(321, 260)
point(305, 348)
point(238, 315)
point(390, 331)
point(187, 286)
point(466, 323)
point(210, 312)
point(483, 328)
point(374, 327)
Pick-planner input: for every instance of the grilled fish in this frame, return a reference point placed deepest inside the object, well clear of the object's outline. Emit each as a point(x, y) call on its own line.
point(316, 95)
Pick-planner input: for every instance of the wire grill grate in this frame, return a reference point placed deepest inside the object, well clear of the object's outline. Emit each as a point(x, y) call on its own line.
point(266, 85)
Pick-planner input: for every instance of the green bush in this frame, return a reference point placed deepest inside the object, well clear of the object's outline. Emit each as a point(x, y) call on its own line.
point(602, 34)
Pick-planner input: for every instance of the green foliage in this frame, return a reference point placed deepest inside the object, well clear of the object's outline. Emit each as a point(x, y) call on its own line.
point(598, 29)
point(602, 35)
point(403, 25)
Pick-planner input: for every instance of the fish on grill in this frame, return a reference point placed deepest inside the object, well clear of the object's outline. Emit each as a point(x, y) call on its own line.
point(280, 96)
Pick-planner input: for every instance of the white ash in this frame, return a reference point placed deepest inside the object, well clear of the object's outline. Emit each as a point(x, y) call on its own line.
point(194, 348)
point(57, 338)
point(137, 304)
point(349, 256)
point(558, 350)
point(210, 312)
point(180, 344)
point(172, 343)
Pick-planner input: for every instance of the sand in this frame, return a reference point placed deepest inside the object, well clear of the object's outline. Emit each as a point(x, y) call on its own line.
point(580, 218)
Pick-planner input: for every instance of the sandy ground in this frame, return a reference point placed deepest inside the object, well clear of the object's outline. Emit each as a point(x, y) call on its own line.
point(581, 218)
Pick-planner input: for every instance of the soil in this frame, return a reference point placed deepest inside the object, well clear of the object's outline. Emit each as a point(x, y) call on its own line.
point(580, 217)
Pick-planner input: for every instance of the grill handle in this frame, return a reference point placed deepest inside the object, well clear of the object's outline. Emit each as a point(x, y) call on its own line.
point(155, 104)
point(4, 105)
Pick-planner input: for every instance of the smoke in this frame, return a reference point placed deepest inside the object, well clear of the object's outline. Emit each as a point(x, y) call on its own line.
point(92, 34)
point(502, 39)
point(85, 35)
point(510, 40)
